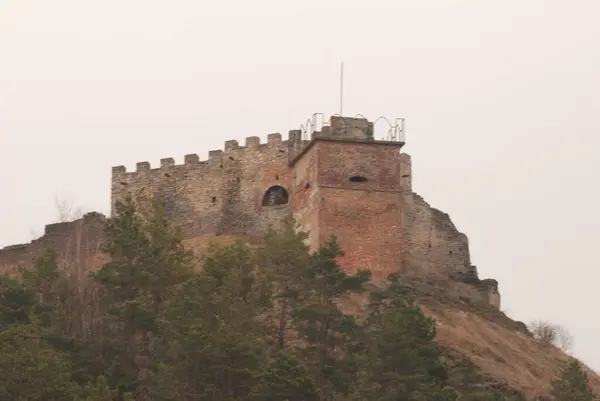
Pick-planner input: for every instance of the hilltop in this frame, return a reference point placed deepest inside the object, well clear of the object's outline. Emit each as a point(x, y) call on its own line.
point(337, 181)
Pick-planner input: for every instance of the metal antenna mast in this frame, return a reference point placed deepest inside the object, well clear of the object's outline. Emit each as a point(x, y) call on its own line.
point(341, 89)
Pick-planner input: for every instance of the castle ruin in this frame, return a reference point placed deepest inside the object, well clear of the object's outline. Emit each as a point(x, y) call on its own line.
point(339, 181)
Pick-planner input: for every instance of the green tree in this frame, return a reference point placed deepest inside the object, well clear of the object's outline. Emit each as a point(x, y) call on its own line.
point(16, 303)
point(325, 330)
point(284, 378)
point(283, 260)
point(30, 369)
point(399, 358)
point(148, 263)
point(98, 392)
point(212, 341)
point(35, 296)
point(572, 383)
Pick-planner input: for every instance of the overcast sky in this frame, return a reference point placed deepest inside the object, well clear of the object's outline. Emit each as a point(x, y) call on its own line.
point(501, 100)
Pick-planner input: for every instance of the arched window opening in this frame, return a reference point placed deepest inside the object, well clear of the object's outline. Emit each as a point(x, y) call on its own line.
point(358, 178)
point(276, 195)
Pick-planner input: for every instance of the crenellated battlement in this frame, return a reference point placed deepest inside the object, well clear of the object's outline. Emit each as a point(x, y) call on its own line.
point(220, 194)
point(227, 192)
point(349, 128)
point(252, 143)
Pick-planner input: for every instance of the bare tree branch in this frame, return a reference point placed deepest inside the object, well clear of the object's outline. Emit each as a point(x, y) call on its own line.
point(66, 210)
point(552, 334)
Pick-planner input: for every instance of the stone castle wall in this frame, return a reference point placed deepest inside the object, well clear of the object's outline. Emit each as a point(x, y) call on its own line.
point(77, 242)
point(222, 198)
point(219, 196)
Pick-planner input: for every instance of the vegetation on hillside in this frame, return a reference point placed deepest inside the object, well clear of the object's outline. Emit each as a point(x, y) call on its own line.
point(257, 324)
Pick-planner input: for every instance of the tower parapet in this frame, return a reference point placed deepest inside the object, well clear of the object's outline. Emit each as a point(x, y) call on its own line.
point(348, 184)
point(348, 128)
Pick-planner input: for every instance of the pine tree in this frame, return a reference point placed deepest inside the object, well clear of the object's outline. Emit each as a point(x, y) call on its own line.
point(399, 358)
point(284, 378)
point(283, 260)
point(326, 331)
point(30, 368)
point(572, 384)
point(98, 392)
point(17, 303)
point(148, 264)
point(213, 345)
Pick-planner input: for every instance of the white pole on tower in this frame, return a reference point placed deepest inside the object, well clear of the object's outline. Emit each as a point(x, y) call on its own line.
point(342, 89)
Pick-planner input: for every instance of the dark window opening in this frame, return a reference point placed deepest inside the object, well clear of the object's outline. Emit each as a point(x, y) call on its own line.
point(276, 195)
point(214, 199)
point(276, 177)
point(358, 178)
point(307, 186)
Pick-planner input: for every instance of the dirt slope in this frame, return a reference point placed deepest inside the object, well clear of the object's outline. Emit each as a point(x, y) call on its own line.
point(505, 354)
point(499, 346)
point(502, 348)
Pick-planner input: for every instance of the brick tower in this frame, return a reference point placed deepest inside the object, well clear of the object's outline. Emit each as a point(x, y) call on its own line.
point(349, 184)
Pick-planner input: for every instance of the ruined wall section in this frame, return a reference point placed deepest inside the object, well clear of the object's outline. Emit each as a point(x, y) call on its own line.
point(431, 242)
point(77, 243)
point(220, 196)
point(433, 245)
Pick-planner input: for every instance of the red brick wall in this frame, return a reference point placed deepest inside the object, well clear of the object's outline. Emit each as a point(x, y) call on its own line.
point(365, 216)
point(368, 226)
point(380, 164)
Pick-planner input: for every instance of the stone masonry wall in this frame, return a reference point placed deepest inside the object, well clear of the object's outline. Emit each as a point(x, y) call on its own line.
point(219, 196)
point(433, 245)
point(77, 243)
point(431, 241)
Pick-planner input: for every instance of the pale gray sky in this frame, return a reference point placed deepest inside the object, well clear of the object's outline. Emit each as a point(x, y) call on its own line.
point(501, 100)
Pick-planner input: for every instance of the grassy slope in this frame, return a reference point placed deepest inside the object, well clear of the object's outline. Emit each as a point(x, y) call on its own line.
point(499, 346)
